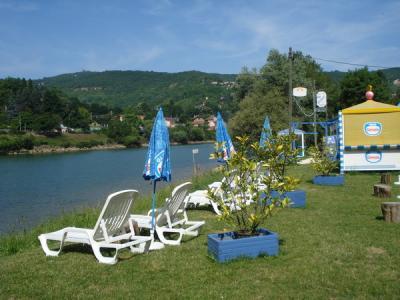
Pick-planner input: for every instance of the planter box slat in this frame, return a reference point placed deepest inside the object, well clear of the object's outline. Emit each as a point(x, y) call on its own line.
point(226, 249)
point(329, 180)
point(297, 197)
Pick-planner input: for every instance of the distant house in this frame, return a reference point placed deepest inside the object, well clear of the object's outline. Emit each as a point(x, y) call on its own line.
point(63, 129)
point(170, 122)
point(119, 117)
point(198, 122)
point(94, 126)
point(212, 122)
point(141, 117)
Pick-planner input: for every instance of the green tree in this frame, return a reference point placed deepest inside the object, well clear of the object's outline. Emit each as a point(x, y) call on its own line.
point(266, 93)
point(253, 109)
point(46, 122)
point(79, 118)
point(118, 130)
point(354, 85)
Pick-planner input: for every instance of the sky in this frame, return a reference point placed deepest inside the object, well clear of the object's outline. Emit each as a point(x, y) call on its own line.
point(46, 38)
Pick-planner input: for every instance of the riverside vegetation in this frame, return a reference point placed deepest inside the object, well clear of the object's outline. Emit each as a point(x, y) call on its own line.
point(338, 247)
point(123, 103)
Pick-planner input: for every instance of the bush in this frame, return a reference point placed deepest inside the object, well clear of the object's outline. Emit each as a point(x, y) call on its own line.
point(243, 176)
point(118, 130)
point(66, 144)
point(322, 161)
point(179, 136)
point(131, 141)
point(27, 142)
point(9, 144)
point(89, 144)
point(196, 134)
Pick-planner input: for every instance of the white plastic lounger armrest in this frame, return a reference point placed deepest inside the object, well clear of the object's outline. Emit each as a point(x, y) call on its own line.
point(215, 185)
point(142, 220)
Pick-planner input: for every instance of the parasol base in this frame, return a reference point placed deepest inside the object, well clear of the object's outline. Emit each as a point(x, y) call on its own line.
point(156, 245)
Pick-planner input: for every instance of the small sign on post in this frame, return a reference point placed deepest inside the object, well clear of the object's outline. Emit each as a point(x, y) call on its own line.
point(300, 91)
point(321, 99)
point(195, 151)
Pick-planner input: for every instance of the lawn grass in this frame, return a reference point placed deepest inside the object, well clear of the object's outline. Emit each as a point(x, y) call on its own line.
point(337, 247)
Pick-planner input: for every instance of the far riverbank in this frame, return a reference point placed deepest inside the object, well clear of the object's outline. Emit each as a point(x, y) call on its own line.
point(39, 144)
point(45, 149)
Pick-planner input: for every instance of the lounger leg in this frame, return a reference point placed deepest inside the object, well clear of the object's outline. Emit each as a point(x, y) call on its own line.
point(43, 242)
point(215, 207)
point(142, 247)
point(104, 259)
point(193, 230)
point(162, 238)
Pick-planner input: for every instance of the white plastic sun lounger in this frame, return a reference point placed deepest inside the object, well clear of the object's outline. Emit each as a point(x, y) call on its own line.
point(170, 219)
point(108, 233)
point(200, 197)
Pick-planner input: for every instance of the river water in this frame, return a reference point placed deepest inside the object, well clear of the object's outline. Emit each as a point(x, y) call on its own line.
point(34, 188)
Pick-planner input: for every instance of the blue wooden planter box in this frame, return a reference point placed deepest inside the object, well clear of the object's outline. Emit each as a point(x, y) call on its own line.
point(297, 197)
point(329, 180)
point(223, 247)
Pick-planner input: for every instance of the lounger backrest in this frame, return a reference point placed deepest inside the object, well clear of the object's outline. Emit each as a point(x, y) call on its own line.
point(230, 180)
point(115, 213)
point(174, 203)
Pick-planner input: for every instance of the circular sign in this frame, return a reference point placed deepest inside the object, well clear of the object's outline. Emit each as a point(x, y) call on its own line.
point(321, 99)
point(300, 91)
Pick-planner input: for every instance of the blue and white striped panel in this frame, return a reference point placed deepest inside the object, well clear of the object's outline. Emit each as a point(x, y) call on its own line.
point(341, 144)
point(372, 147)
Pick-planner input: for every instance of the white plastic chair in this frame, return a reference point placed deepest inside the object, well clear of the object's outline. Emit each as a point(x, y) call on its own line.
point(170, 219)
point(108, 233)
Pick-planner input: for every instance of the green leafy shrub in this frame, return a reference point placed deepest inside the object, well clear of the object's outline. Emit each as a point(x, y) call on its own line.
point(16, 143)
point(66, 144)
point(131, 141)
point(322, 162)
point(246, 183)
point(179, 135)
point(27, 142)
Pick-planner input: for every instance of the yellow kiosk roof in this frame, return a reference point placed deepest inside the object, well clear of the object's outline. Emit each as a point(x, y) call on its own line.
point(370, 107)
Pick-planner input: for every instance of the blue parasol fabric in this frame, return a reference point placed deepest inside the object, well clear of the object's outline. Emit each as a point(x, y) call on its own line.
point(266, 132)
point(157, 166)
point(222, 136)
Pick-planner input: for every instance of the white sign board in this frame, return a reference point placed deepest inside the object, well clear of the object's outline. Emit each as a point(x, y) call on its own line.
point(369, 160)
point(300, 91)
point(321, 99)
point(195, 151)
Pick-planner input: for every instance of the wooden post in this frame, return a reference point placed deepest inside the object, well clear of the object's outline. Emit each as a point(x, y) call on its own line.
point(391, 211)
point(382, 190)
point(386, 178)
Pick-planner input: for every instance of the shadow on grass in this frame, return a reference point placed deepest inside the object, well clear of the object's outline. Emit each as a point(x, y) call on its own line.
point(77, 248)
point(201, 208)
point(123, 254)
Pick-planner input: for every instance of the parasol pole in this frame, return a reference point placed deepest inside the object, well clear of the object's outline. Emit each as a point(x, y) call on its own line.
point(153, 207)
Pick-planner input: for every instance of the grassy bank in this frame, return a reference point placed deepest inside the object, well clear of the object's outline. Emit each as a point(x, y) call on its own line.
point(13, 143)
point(338, 247)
